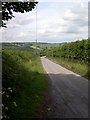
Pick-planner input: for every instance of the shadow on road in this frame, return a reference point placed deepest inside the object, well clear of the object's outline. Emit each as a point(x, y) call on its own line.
point(66, 97)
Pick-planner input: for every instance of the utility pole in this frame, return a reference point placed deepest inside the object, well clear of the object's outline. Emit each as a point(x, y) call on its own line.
point(36, 29)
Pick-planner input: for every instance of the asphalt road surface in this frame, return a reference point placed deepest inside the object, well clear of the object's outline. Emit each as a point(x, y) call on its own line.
point(68, 92)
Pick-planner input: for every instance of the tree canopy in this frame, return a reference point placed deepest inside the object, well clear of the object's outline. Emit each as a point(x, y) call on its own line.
point(9, 7)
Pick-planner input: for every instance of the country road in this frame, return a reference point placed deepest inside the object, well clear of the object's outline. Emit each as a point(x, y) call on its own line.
point(68, 92)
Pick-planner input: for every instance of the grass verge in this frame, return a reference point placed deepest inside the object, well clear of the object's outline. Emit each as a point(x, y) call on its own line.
point(82, 69)
point(23, 84)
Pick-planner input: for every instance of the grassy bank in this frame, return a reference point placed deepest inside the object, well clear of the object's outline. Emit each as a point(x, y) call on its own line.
point(23, 84)
point(76, 66)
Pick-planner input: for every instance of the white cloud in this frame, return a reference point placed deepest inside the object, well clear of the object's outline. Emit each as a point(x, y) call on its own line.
point(63, 1)
point(69, 15)
point(21, 19)
point(73, 21)
point(56, 22)
point(26, 20)
point(21, 35)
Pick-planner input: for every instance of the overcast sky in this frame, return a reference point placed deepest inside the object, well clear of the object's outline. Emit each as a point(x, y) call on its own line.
point(56, 22)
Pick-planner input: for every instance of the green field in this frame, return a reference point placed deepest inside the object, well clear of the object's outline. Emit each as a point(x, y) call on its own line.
point(37, 48)
point(23, 84)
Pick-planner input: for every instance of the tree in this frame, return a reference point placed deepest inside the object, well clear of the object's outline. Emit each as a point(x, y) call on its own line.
point(9, 7)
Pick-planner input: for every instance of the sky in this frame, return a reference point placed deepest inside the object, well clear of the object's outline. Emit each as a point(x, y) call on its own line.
point(56, 22)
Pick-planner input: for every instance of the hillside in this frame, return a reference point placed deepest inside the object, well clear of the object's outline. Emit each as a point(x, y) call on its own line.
point(23, 84)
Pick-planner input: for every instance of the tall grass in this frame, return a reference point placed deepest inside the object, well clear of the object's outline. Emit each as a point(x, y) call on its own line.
point(23, 76)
